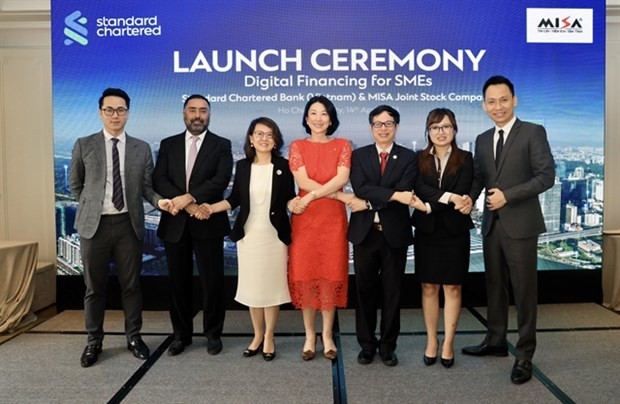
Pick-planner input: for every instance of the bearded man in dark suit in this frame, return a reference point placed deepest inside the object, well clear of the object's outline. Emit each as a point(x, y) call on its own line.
point(192, 168)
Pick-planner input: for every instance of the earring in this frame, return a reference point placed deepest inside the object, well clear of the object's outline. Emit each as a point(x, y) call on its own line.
point(251, 144)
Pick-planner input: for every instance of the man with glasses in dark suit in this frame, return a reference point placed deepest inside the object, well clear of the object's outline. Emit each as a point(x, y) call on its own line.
point(382, 175)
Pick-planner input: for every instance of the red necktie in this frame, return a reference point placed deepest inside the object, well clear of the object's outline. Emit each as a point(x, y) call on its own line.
point(384, 156)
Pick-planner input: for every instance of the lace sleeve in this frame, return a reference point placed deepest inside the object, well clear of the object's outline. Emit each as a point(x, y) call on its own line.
point(344, 160)
point(295, 159)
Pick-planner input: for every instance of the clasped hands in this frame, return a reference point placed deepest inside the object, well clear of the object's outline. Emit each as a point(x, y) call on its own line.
point(462, 203)
point(185, 202)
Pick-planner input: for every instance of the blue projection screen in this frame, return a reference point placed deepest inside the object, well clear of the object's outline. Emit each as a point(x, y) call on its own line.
point(267, 58)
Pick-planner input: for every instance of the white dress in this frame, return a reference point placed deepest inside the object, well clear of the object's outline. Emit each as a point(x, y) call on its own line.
point(262, 256)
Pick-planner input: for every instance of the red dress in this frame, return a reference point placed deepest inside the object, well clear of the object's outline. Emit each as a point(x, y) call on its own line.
point(319, 254)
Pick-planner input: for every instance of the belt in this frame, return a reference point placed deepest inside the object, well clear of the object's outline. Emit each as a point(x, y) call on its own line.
point(377, 226)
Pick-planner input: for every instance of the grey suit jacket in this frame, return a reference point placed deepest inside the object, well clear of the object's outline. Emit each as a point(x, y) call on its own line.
point(526, 169)
point(88, 177)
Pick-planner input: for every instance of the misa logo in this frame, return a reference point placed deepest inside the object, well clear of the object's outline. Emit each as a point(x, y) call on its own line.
point(75, 31)
point(560, 25)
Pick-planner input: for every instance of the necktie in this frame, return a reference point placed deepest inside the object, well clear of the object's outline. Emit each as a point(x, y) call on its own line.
point(499, 146)
point(117, 183)
point(191, 159)
point(384, 156)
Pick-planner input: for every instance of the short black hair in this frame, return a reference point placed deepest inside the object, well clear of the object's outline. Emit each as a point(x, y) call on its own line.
point(495, 80)
point(384, 108)
point(114, 92)
point(194, 96)
point(331, 111)
point(250, 152)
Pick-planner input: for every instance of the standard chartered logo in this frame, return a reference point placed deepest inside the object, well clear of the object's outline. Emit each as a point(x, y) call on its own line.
point(75, 31)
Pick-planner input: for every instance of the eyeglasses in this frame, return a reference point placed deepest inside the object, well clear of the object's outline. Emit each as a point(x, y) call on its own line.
point(119, 111)
point(437, 129)
point(266, 135)
point(378, 125)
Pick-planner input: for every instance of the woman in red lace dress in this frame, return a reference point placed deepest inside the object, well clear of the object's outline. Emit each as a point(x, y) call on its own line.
point(319, 253)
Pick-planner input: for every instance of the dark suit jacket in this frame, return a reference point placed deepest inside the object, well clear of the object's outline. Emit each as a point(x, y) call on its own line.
point(283, 190)
point(210, 177)
point(368, 183)
point(526, 169)
point(428, 189)
point(87, 180)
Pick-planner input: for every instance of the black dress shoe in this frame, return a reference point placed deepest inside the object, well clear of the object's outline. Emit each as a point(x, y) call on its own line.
point(365, 356)
point(177, 347)
point(521, 371)
point(214, 346)
point(90, 355)
point(429, 361)
point(389, 358)
point(138, 348)
point(447, 363)
point(484, 349)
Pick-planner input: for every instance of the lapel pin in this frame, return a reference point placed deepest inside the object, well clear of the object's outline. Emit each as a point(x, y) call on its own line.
point(394, 157)
point(279, 172)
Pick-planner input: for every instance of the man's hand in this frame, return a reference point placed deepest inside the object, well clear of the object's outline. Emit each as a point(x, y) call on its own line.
point(193, 211)
point(417, 203)
point(166, 205)
point(404, 197)
point(356, 204)
point(495, 199)
point(180, 202)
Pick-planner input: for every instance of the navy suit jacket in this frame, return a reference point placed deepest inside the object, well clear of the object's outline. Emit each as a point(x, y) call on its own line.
point(526, 169)
point(208, 181)
point(282, 191)
point(368, 183)
point(427, 188)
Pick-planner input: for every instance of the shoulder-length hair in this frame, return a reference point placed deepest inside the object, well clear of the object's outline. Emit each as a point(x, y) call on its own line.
point(250, 152)
point(331, 111)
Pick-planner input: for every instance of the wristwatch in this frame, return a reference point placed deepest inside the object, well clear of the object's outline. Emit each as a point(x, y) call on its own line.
point(368, 205)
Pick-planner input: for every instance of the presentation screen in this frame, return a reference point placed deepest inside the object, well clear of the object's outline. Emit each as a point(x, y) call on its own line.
point(267, 58)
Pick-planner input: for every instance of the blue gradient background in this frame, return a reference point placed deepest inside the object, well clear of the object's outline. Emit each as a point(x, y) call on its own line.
point(560, 85)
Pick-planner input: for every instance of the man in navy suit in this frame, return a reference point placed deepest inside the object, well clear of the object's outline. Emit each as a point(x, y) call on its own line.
point(383, 174)
point(110, 175)
point(192, 168)
point(513, 162)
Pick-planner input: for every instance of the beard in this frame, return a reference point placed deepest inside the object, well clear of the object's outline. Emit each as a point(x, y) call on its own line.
point(197, 126)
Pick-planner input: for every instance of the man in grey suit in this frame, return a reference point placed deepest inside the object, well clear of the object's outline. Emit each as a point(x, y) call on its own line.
point(513, 162)
point(110, 174)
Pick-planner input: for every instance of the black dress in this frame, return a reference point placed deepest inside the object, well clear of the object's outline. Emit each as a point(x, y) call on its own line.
point(442, 238)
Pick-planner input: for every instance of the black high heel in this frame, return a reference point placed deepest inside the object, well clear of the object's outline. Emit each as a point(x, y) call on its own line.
point(251, 352)
point(269, 356)
point(428, 361)
point(447, 363)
